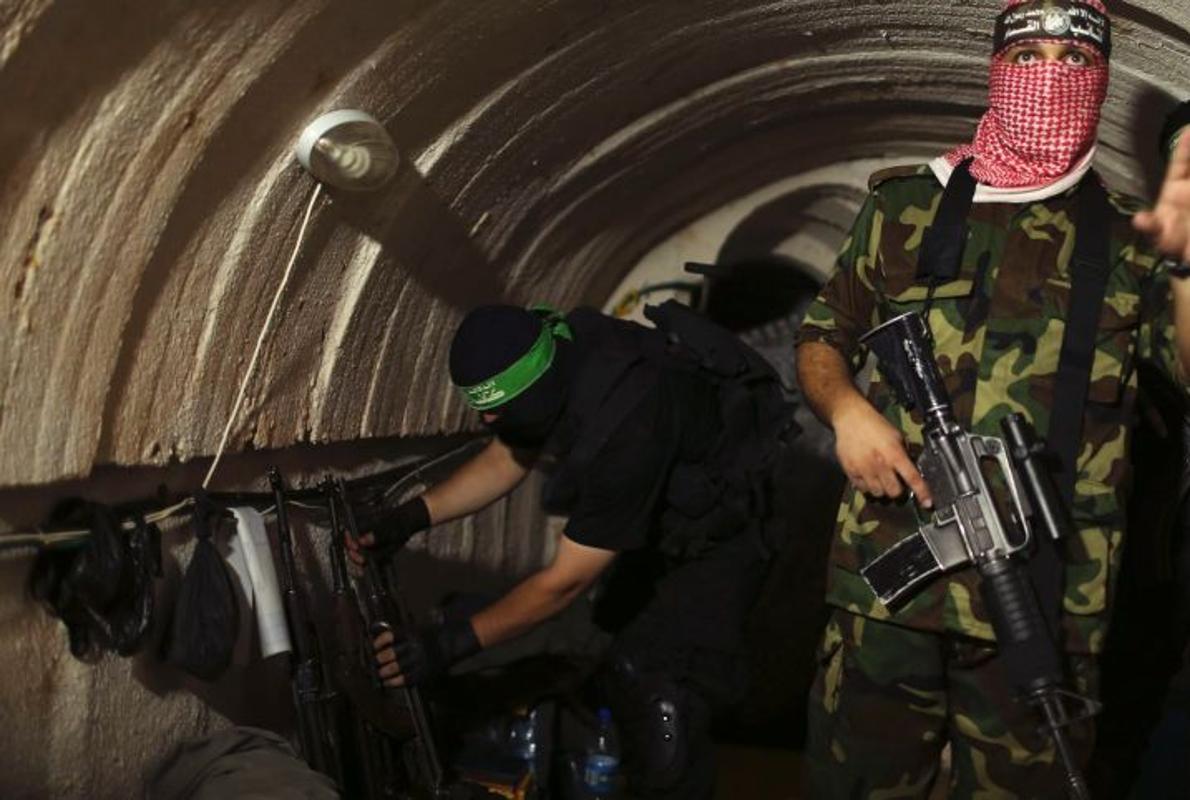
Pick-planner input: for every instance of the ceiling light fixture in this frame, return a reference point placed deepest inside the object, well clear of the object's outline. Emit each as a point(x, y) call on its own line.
point(348, 149)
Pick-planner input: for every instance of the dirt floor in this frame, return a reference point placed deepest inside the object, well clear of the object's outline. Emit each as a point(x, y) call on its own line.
point(755, 773)
point(758, 773)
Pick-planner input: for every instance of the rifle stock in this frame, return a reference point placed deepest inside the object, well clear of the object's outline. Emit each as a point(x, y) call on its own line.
point(383, 612)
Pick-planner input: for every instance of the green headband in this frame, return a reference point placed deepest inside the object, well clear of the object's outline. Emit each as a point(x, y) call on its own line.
point(526, 370)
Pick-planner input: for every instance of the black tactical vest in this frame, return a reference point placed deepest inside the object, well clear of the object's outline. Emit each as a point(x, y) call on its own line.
point(721, 492)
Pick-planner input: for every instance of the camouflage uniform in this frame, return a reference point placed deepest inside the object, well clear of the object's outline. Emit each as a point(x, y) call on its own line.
point(888, 698)
point(998, 334)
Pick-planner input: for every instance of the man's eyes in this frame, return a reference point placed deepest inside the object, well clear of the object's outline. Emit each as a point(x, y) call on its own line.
point(1073, 58)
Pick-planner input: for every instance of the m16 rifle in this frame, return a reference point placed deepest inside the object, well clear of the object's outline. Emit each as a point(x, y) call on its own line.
point(306, 669)
point(974, 524)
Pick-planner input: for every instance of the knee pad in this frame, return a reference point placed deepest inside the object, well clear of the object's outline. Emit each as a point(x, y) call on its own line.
point(656, 716)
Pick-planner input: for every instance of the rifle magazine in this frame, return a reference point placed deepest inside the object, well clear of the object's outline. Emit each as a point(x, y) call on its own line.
point(897, 574)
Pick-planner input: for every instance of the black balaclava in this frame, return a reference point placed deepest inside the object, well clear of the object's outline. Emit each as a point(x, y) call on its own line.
point(488, 341)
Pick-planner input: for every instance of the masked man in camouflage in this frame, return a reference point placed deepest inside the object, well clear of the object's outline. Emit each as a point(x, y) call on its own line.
point(894, 688)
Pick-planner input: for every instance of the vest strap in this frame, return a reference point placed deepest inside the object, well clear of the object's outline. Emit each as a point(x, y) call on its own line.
point(943, 243)
point(1089, 270)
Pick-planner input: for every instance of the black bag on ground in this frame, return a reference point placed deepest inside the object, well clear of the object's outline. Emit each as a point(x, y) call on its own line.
point(206, 618)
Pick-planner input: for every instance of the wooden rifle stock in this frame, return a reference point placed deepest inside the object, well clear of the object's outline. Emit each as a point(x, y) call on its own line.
point(384, 612)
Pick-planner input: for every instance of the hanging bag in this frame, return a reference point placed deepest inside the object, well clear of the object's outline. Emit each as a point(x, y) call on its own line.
point(206, 618)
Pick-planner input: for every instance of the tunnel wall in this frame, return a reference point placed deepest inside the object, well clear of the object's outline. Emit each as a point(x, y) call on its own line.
point(150, 202)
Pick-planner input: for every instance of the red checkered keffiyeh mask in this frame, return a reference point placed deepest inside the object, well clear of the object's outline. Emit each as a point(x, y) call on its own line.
point(1041, 120)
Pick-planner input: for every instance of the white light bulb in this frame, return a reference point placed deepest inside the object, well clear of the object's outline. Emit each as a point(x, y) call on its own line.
point(348, 149)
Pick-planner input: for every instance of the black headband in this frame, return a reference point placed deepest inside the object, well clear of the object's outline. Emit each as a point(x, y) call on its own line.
point(1054, 19)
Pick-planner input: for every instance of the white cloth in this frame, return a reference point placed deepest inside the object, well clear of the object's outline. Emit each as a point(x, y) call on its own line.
point(252, 559)
point(1029, 194)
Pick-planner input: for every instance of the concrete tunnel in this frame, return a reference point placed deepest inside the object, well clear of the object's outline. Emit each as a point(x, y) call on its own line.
point(564, 151)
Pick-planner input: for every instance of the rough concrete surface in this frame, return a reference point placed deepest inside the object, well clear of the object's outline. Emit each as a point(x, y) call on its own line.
point(149, 203)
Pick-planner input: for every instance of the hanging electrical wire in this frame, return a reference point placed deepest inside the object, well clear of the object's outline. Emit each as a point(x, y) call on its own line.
point(345, 148)
point(264, 331)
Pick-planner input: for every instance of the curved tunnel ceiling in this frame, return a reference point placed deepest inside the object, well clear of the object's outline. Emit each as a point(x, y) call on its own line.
point(149, 199)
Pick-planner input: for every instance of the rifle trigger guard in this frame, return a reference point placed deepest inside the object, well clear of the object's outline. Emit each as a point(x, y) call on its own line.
point(921, 521)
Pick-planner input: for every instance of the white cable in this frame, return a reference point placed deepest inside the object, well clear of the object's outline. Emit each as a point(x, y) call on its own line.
point(264, 331)
point(35, 539)
point(166, 513)
point(416, 472)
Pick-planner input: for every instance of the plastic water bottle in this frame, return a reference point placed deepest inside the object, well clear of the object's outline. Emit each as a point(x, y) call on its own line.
point(603, 760)
point(522, 736)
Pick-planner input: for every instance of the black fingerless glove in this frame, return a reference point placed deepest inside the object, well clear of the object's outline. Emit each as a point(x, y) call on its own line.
point(427, 655)
point(394, 527)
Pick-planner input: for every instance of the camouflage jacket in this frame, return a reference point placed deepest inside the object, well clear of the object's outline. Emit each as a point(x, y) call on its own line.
point(998, 333)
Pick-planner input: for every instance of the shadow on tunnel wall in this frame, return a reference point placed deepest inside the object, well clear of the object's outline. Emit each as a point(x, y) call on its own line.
point(1152, 106)
point(763, 295)
point(424, 236)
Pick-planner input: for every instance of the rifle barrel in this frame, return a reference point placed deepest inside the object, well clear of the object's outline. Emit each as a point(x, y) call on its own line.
point(1054, 713)
point(304, 665)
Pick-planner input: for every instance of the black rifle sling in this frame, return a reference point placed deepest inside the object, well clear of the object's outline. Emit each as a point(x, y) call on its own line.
point(942, 244)
point(939, 261)
point(1089, 270)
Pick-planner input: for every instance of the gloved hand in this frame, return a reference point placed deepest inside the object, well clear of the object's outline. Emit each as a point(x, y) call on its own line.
point(426, 655)
point(385, 531)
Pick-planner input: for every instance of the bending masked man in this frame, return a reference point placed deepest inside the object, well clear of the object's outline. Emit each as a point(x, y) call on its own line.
point(661, 466)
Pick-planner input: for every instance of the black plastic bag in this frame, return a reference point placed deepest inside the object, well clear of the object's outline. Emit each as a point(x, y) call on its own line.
point(131, 617)
point(102, 589)
point(206, 619)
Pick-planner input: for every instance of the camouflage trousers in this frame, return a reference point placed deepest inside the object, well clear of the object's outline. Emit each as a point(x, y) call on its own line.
point(887, 700)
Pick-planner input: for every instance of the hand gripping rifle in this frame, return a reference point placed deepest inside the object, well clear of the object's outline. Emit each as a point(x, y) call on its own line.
point(305, 663)
point(370, 775)
point(385, 613)
point(348, 652)
point(972, 525)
